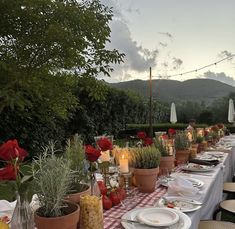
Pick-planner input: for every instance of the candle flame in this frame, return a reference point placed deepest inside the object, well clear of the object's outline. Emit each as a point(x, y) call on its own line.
point(122, 156)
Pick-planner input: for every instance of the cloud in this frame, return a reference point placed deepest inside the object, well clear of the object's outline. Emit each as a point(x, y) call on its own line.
point(222, 77)
point(163, 44)
point(177, 62)
point(137, 58)
point(224, 54)
point(169, 35)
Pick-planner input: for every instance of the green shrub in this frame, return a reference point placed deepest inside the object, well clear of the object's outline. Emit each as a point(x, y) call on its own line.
point(181, 141)
point(146, 157)
point(132, 129)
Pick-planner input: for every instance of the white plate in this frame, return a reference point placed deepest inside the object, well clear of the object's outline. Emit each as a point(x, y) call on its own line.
point(215, 153)
point(197, 168)
point(180, 204)
point(183, 223)
point(158, 217)
point(195, 182)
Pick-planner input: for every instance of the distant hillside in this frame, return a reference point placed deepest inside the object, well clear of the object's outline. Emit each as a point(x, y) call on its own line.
point(172, 90)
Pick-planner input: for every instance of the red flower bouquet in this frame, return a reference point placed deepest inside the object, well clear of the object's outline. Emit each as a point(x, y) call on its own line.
point(11, 150)
point(8, 173)
point(105, 144)
point(148, 141)
point(171, 131)
point(141, 135)
point(12, 154)
point(92, 154)
point(220, 126)
point(144, 140)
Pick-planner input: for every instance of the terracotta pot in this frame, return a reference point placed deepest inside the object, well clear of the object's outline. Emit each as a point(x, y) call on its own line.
point(193, 152)
point(68, 221)
point(167, 162)
point(182, 155)
point(195, 146)
point(146, 179)
point(75, 197)
point(202, 146)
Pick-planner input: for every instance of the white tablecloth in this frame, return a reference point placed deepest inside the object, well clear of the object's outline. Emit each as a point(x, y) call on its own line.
point(212, 193)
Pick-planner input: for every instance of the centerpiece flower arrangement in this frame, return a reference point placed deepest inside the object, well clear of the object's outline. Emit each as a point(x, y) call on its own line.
point(12, 156)
point(144, 139)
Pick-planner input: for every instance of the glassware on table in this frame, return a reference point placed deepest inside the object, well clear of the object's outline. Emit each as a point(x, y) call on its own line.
point(22, 217)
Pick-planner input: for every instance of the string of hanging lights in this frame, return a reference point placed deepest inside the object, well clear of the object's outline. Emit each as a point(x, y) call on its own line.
point(201, 68)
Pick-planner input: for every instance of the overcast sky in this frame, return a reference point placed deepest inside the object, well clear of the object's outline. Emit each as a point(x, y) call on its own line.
point(173, 36)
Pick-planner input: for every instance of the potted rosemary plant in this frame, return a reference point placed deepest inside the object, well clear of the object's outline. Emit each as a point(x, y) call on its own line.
point(167, 160)
point(75, 153)
point(202, 144)
point(182, 147)
point(52, 181)
point(146, 167)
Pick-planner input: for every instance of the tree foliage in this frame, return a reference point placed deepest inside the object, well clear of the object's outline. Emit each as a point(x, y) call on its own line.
point(43, 40)
point(47, 50)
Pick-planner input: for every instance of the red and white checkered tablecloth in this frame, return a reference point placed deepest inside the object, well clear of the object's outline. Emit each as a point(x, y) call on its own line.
point(112, 217)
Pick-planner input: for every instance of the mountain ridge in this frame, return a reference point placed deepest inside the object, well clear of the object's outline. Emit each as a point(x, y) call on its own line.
point(165, 90)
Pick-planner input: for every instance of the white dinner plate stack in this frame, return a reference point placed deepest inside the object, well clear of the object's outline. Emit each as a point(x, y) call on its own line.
point(158, 217)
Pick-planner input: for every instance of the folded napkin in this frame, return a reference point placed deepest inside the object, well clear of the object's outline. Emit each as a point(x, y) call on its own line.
point(182, 187)
point(6, 206)
point(204, 162)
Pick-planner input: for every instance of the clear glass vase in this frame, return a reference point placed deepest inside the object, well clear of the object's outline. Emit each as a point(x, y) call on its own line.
point(22, 217)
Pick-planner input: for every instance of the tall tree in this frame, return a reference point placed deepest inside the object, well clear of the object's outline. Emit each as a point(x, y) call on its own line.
point(42, 41)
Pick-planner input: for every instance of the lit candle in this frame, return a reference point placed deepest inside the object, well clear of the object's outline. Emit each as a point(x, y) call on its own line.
point(190, 136)
point(123, 164)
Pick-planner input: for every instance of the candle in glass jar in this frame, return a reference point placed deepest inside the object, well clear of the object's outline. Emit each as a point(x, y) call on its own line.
point(123, 164)
point(190, 136)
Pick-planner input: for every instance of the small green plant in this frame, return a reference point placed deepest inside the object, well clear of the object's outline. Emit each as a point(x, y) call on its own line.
point(161, 147)
point(75, 154)
point(146, 157)
point(199, 139)
point(52, 181)
point(181, 141)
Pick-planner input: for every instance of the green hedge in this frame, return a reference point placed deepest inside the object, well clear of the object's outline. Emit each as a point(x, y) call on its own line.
point(132, 129)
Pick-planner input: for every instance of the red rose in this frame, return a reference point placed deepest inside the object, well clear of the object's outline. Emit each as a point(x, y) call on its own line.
point(148, 141)
point(215, 128)
point(220, 126)
point(171, 131)
point(11, 150)
point(206, 133)
point(92, 154)
point(8, 173)
point(105, 144)
point(141, 135)
point(165, 136)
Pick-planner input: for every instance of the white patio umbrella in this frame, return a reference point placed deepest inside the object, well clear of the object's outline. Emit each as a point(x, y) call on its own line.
point(231, 111)
point(173, 118)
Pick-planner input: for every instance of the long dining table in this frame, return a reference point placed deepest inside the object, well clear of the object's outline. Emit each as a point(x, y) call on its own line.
point(211, 193)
